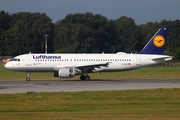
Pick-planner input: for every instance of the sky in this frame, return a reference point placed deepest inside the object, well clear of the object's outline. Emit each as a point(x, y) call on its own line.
point(142, 11)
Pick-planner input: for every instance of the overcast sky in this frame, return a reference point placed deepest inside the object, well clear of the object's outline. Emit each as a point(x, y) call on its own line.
point(141, 11)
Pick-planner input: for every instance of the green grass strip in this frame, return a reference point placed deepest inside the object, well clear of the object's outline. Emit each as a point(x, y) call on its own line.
point(109, 105)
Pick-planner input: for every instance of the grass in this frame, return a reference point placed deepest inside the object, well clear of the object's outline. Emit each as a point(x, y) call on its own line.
point(148, 72)
point(92, 105)
point(156, 104)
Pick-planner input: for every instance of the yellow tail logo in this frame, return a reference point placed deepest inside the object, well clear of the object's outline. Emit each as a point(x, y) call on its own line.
point(159, 41)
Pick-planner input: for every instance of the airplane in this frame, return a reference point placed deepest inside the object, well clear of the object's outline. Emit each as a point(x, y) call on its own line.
point(69, 65)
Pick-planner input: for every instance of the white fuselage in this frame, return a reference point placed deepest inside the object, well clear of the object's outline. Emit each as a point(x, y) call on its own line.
point(54, 62)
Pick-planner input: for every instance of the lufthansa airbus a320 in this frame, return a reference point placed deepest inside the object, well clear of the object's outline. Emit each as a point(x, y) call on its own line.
point(69, 65)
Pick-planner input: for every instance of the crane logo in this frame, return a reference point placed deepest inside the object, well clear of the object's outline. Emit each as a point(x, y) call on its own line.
point(159, 41)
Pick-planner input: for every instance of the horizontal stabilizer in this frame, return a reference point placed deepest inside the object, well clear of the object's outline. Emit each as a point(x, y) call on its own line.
point(164, 58)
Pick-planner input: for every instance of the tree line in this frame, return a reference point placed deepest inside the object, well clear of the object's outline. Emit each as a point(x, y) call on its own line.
point(23, 32)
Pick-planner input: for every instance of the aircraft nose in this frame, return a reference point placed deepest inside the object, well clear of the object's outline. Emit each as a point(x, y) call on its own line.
point(8, 66)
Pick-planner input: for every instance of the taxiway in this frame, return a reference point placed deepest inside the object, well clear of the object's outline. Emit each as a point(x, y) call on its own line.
point(19, 86)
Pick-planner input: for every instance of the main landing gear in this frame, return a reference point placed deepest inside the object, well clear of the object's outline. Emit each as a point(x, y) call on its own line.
point(85, 77)
point(28, 77)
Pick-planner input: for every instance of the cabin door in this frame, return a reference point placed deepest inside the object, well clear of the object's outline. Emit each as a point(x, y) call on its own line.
point(28, 60)
point(138, 60)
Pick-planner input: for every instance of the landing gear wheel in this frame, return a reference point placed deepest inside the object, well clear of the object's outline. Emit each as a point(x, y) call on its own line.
point(28, 79)
point(88, 78)
point(82, 77)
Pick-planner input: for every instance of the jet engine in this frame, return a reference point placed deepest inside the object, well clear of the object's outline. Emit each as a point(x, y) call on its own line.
point(64, 73)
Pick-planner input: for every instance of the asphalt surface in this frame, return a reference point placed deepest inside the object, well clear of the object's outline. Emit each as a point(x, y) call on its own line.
point(19, 86)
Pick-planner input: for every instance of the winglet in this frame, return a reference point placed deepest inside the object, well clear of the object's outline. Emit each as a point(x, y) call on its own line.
point(157, 43)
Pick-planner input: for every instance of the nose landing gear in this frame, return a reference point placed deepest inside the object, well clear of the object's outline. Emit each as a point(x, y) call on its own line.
point(28, 77)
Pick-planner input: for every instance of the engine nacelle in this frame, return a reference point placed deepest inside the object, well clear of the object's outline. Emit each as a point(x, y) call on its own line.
point(65, 73)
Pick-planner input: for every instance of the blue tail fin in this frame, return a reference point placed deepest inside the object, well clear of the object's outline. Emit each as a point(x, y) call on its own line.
point(156, 44)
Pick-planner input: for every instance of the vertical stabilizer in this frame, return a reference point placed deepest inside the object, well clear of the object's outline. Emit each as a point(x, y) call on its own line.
point(157, 43)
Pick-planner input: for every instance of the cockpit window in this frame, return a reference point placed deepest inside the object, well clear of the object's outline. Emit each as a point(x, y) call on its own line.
point(14, 59)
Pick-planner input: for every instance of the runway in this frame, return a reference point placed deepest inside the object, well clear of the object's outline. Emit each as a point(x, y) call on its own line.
point(19, 86)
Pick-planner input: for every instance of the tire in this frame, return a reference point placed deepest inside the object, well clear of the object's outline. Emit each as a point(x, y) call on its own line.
point(88, 78)
point(82, 77)
point(28, 79)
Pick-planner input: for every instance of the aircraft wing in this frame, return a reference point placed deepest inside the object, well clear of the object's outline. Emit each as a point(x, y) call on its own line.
point(93, 65)
point(84, 66)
